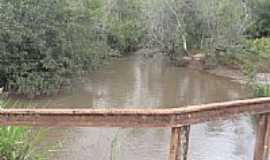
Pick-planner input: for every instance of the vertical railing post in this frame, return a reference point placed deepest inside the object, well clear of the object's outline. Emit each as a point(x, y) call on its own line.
point(262, 138)
point(267, 139)
point(175, 149)
point(179, 143)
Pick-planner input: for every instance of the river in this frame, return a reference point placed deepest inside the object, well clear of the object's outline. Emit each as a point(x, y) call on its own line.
point(141, 82)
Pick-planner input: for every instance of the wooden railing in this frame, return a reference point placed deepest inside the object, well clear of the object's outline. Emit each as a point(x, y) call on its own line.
point(178, 119)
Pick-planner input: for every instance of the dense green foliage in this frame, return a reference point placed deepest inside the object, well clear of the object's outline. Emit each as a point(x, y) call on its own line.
point(253, 56)
point(261, 18)
point(255, 59)
point(262, 91)
point(191, 24)
point(259, 46)
point(259, 54)
point(124, 25)
point(44, 44)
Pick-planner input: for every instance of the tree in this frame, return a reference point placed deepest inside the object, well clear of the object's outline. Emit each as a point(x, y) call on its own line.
point(124, 24)
point(45, 44)
point(192, 24)
point(261, 18)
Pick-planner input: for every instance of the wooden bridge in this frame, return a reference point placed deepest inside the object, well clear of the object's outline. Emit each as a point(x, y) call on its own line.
point(178, 119)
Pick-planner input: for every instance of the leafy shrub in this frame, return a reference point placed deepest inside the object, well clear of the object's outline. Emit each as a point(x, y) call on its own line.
point(45, 44)
point(125, 36)
point(252, 56)
point(257, 54)
point(261, 25)
point(125, 25)
point(19, 143)
point(259, 46)
point(15, 144)
point(262, 91)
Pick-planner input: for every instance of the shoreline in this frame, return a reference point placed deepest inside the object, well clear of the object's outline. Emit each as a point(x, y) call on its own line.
point(233, 74)
point(196, 62)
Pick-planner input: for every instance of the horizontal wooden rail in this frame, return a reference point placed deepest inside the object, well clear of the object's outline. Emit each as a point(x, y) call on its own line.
point(133, 118)
point(179, 119)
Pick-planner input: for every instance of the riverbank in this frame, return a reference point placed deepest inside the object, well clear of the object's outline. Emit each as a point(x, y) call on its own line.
point(197, 62)
point(232, 74)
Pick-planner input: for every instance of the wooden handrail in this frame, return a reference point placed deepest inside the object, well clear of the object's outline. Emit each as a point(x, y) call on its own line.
point(176, 118)
point(133, 118)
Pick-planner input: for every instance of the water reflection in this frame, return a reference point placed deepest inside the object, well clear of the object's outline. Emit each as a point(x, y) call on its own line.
point(151, 83)
point(232, 139)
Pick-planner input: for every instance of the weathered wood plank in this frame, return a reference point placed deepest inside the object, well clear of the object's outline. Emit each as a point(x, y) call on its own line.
point(262, 138)
point(175, 147)
point(132, 118)
point(267, 139)
point(185, 142)
point(179, 143)
point(260, 135)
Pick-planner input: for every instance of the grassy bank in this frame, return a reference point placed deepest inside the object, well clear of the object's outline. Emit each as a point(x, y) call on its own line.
point(262, 91)
point(252, 56)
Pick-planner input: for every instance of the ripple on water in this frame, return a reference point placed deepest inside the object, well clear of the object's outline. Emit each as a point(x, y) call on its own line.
point(224, 140)
point(151, 83)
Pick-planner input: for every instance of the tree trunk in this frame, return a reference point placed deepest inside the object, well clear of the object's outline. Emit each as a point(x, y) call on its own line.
point(185, 45)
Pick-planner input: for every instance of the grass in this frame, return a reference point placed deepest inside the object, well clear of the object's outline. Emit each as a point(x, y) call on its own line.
point(262, 91)
point(18, 143)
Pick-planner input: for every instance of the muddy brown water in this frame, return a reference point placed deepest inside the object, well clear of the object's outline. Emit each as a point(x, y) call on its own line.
point(137, 82)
